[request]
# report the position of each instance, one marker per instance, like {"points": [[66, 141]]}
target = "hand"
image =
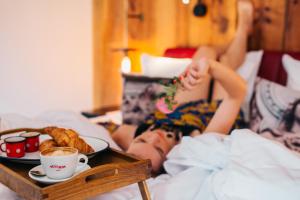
{"points": [[195, 73]]}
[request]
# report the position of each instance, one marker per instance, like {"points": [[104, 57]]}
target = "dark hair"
{"points": [[186, 130], [179, 130], [289, 116]]}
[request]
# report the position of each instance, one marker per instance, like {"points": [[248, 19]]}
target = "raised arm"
{"points": [[234, 85], [228, 110]]}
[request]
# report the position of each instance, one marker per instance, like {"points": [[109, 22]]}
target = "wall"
{"points": [[165, 24], [170, 23], [276, 25], [109, 25], [45, 55]]}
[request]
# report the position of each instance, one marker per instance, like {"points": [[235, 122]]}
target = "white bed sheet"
{"points": [[113, 116]]}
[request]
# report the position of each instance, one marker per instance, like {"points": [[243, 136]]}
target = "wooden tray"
{"points": [[111, 169]]}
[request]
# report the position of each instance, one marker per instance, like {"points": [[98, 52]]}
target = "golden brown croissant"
{"points": [[47, 144], [69, 138]]}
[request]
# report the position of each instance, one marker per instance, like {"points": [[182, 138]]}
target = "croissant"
{"points": [[47, 144], [68, 138]]}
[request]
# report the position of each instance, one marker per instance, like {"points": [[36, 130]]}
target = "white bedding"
{"points": [[242, 166], [113, 116]]}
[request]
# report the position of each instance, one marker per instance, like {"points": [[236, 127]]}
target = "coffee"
{"points": [[58, 153], [14, 139], [30, 134]]}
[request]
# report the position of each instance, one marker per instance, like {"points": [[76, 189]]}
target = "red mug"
{"points": [[15, 146], [32, 141]]}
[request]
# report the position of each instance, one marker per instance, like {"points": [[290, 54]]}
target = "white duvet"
{"points": [[242, 166]]}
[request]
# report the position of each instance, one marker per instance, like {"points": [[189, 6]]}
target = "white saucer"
{"points": [[46, 180]]}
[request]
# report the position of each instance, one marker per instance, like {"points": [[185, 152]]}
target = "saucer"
{"points": [[46, 180]]}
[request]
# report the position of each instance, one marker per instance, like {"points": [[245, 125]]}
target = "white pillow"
{"points": [[163, 67], [248, 70], [292, 67]]}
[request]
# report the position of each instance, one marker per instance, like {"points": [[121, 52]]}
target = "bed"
{"points": [[241, 166]]}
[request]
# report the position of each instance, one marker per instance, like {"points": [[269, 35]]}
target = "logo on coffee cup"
{"points": [[57, 166]]}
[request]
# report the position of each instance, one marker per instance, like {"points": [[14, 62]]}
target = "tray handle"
{"points": [[101, 172]]}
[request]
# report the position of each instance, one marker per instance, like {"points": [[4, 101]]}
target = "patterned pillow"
{"points": [[274, 113], [139, 93]]}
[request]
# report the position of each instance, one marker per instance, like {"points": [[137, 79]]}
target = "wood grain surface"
{"points": [[110, 170], [170, 23]]}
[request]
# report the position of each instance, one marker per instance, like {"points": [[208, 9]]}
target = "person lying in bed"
{"points": [[160, 132]]}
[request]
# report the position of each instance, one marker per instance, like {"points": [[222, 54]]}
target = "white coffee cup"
{"points": [[62, 162]]}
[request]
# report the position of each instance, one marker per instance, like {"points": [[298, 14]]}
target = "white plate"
{"points": [[46, 180], [34, 158]]}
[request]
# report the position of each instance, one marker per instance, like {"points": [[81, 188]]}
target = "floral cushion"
{"points": [[139, 94], [274, 113]]}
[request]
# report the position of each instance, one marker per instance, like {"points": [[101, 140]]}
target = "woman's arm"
{"points": [[234, 85], [124, 135], [228, 110]]}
